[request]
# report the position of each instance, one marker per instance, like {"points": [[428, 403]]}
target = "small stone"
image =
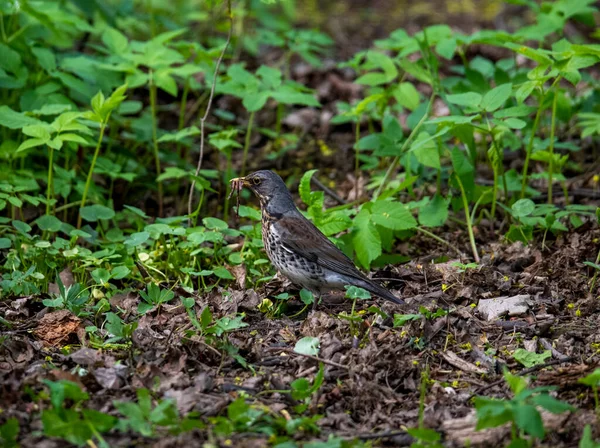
{"points": [[492, 309]]}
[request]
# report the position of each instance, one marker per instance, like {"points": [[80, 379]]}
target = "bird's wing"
{"points": [[302, 236]]}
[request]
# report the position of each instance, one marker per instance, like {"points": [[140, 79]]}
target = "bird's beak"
{"points": [[240, 181]]}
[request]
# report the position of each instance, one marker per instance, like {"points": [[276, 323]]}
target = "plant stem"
{"points": [[50, 189], [88, 180], [228, 169], [247, 142], [155, 142], [422, 395], [182, 107], [468, 218], [394, 163], [182, 150], [498, 170], [439, 239], [356, 164], [529, 148], [551, 148], [207, 111], [2, 30], [595, 273], [536, 123]]}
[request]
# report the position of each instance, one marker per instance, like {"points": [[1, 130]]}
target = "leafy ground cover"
{"points": [[459, 166]]}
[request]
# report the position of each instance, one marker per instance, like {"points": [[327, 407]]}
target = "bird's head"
{"points": [[265, 184]]}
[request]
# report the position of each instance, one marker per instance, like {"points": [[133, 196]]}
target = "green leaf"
{"points": [[172, 172], [525, 90], [307, 346], [425, 434], [551, 404], [114, 40], [223, 273], [381, 61], [593, 379], [180, 135], [401, 319], [469, 99], [45, 58], [10, 60], [247, 212], [425, 150], [31, 143], [9, 433], [435, 212], [15, 120], [304, 187], [366, 239], [516, 383], [289, 95], [496, 97], [21, 226], [165, 81], [120, 272], [136, 239], [96, 212], [407, 95], [206, 318], [530, 359], [255, 101], [492, 413], [528, 418], [517, 111], [354, 292], [392, 215], [5, 243], [49, 223], [306, 296], [522, 208], [515, 123], [214, 223], [334, 223], [586, 439]]}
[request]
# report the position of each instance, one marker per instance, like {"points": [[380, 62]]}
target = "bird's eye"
{"points": [[255, 180]]}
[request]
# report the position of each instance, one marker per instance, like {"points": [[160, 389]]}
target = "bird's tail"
{"points": [[380, 291]]}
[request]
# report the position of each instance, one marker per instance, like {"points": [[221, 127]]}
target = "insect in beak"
{"points": [[237, 185]]}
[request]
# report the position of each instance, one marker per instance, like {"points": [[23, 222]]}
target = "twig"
{"points": [[206, 112], [441, 240], [315, 358], [383, 435], [328, 191]]}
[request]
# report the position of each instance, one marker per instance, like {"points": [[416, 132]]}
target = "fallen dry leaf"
{"points": [[57, 327]]}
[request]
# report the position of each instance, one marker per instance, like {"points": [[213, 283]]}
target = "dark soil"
{"points": [[372, 382]]}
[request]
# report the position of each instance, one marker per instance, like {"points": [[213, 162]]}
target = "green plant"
{"points": [[593, 380], [425, 437], [9, 432], [596, 264], [147, 419], [521, 411], [72, 298], [154, 298], [255, 90], [586, 439], [68, 419]]}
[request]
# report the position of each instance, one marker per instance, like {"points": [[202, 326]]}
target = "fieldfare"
{"points": [[296, 247]]}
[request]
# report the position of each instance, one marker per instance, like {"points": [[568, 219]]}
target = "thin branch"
{"points": [[316, 358], [328, 191], [207, 111]]}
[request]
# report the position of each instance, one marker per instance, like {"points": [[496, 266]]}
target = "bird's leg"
{"points": [[317, 297]]}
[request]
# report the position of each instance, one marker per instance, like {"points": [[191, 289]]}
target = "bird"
{"points": [[296, 247]]}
